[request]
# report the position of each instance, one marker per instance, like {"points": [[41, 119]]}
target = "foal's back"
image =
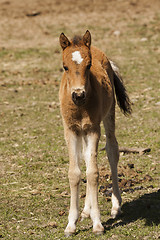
{"points": [[103, 74]]}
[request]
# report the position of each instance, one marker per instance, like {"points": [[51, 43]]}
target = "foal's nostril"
{"points": [[74, 96], [83, 95]]}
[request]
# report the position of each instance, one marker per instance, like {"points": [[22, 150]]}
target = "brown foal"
{"points": [[87, 97]]}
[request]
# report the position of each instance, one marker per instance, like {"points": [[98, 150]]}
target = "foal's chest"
{"points": [[80, 119]]}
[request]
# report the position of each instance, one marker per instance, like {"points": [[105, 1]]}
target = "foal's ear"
{"points": [[64, 42], [87, 39]]}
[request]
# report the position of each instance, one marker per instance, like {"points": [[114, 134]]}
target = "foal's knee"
{"points": [[92, 176], [74, 177]]}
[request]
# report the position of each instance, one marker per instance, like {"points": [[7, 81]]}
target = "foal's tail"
{"points": [[121, 92]]}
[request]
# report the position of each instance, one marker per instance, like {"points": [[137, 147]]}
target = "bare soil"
{"points": [[39, 23]]}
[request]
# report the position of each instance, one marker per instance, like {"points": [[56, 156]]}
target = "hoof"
{"points": [[69, 231], [116, 213], [98, 229], [84, 215]]}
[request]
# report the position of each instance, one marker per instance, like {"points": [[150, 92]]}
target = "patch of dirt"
{"points": [[39, 23], [130, 180]]}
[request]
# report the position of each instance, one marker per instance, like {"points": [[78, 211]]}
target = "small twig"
{"points": [[132, 150], [33, 14]]}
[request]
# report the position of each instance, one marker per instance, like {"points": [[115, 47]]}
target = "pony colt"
{"points": [[87, 97]]}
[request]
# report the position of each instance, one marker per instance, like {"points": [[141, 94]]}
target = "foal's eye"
{"points": [[89, 66], [65, 68]]}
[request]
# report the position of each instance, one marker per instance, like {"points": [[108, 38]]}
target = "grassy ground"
{"points": [[34, 197]]}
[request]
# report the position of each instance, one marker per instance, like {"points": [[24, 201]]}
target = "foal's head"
{"points": [[77, 64]]}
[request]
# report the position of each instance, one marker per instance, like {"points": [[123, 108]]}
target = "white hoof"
{"points": [[98, 229], [116, 212], [70, 230], [84, 215]]}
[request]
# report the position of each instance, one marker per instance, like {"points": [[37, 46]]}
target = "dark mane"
{"points": [[77, 40]]}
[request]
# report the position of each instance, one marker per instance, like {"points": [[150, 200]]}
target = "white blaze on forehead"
{"points": [[76, 57]]}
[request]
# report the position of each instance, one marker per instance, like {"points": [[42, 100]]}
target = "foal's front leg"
{"points": [[91, 202], [74, 174]]}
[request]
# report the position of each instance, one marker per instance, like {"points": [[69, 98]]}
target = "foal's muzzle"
{"points": [[79, 97]]}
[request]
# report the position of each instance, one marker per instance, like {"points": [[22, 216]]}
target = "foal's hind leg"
{"points": [[87, 207], [113, 157]]}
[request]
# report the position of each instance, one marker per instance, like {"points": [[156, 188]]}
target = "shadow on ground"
{"points": [[146, 207]]}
